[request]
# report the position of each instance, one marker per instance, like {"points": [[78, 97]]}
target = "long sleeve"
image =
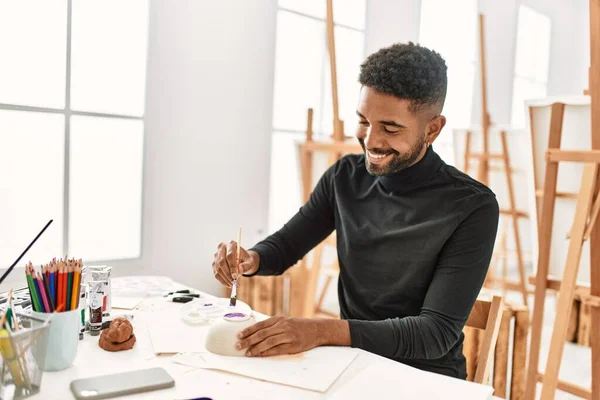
{"points": [[456, 283], [311, 225]]}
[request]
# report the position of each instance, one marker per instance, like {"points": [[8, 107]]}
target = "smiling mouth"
{"points": [[376, 158]]}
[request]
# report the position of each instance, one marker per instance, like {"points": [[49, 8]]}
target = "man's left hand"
{"points": [[280, 335]]}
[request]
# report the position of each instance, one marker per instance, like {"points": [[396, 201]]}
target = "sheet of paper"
{"points": [[399, 381], [316, 369], [170, 334], [142, 286], [126, 302]]}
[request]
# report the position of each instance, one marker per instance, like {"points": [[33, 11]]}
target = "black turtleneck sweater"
{"points": [[413, 247]]}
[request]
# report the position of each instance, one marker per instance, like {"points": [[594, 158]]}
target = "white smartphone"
{"points": [[120, 384]]}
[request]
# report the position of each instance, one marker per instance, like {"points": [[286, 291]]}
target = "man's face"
{"points": [[392, 136]]}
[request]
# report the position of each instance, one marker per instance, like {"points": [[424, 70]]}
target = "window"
{"points": [[303, 80], [532, 60], [441, 34], [72, 94]]}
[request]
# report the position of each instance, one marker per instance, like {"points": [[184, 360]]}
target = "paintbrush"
{"points": [[237, 269], [8, 271]]}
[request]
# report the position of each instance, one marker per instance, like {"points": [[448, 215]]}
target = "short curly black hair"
{"points": [[408, 71]]}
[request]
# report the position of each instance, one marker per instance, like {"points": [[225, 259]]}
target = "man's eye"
{"points": [[363, 123], [390, 131]]}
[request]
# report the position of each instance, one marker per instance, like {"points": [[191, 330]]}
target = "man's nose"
{"points": [[372, 139]]}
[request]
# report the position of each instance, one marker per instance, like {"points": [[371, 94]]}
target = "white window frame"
{"points": [[324, 67], [67, 112]]}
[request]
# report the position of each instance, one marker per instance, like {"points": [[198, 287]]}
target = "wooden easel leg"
{"points": [[467, 155], [594, 91], [514, 217], [483, 172], [519, 357], [500, 254], [545, 236], [328, 278], [501, 354], [312, 276], [504, 250], [306, 161], [567, 286]]}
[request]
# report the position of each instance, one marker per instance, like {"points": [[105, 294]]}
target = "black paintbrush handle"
{"points": [[9, 270]]}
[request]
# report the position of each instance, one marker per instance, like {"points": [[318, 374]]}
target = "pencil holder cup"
{"points": [[22, 353], [63, 339]]}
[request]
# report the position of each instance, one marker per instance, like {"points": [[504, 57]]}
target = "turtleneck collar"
{"points": [[414, 175]]}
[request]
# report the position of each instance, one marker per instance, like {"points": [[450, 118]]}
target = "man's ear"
{"points": [[434, 127]]}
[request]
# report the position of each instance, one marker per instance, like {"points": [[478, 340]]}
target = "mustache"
{"points": [[378, 152]]}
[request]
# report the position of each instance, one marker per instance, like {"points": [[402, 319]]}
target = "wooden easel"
{"points": [[310, 275], [483, 176], [304, 278], [583, 228]]}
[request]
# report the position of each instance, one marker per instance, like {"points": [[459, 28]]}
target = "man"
{"points": [[414, 235]]}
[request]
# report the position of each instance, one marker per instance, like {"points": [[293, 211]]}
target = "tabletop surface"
{"points": [[190, 383]]}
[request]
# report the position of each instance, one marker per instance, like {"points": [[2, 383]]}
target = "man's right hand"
{"points": [[225, 267]]}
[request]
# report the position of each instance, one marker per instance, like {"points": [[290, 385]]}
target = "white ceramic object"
{"points": [[222, 335]]}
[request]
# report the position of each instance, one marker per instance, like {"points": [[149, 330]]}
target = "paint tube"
{"points": [[95, 301], [101, 273]]}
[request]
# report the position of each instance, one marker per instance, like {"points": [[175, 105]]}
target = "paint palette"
{"points": [[201, 311]]}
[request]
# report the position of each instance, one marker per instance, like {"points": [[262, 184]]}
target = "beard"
{"points": [[398, 161]]}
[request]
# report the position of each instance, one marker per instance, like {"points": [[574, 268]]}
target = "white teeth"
{"points": [[375, 155]]}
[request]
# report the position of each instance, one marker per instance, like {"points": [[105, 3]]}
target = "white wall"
{"points": [[569, 51], [391, 21], [209, 106]]}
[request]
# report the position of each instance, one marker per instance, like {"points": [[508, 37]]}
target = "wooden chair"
{"points": [[486, 317]]}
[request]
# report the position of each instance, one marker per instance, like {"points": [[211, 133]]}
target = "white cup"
{"points": [[63, 339]]}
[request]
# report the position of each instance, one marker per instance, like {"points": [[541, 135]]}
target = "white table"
{"points": [[189, 382]]}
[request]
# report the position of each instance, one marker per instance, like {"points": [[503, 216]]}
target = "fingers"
{"points": [[220, 266], [259, 336], [232, 258], [252, 329], [246, 266], [286, 348], [220, 275], [269, 343]]}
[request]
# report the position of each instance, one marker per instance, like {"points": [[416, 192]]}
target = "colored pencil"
{"points": [[38, 293], [55, 272], [43, 292], [79, 279], [66, 299], [28, 278], [34, 296], [30, 294], [51, 285], [75, 290], [61, 283], [49, 295]]}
